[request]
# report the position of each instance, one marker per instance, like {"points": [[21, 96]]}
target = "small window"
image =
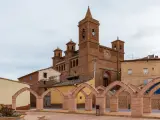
{"points": [[45, 75], [59, 54], [56, 68], [83, 33], [30, 77], [73, 63], [44, 82], [80, 97], [120, 47], [72, 47], [153, 68], [59, 68], [64, 67], [76, 62], [115, 47], [129, 71], [145, 70]]}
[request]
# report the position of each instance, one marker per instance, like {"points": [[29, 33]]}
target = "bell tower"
{"points": [[88, 29], [88, 42]]}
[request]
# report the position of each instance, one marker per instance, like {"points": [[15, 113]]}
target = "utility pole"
{"points": [[95, 60]]}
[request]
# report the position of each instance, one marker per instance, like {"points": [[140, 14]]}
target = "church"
{"points": [[91, 59], [93, 63]]}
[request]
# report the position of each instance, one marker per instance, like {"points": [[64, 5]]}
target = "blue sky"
{"points": [[31, 29]]}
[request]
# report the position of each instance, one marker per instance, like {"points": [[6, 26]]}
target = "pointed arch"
{"points": [[23, 90], [113, 84], [52, 89], [84, 93], [150, 84], [154, 90], [100, 88], [81, 87], [135, 87], [119, 91], [123, 89]]}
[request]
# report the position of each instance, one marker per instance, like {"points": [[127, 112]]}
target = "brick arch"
{"points": [[72, 90], [154, 90], [23, 90], [100, 88], [84, 93], [113, 84], [52, 89], [123, 89], [135, 87], [119, 91], [81, 87], [150, 84]]}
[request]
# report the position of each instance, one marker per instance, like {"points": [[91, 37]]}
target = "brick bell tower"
{"points": [[57, 56], [88, 43]]}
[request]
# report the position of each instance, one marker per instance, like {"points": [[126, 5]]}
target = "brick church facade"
{"points": [[91, 59]]}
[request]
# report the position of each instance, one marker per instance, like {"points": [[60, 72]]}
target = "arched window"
{"points": [[105, 79], [93, 32], [72, 47], [76, 62], [120, 47], [59, 54], [83, 33], [68, 47]]}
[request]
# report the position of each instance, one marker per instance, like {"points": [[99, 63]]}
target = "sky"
{"points": [[31, 29]]}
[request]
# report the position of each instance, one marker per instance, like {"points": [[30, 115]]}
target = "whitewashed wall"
{"points": [[8, 88], [50, 72]]}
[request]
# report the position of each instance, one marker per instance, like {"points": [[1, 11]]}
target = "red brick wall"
{"points": [[32, 81], [33, 86]]}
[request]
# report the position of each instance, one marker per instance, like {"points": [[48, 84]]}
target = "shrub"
{"points": [[8, 112]]}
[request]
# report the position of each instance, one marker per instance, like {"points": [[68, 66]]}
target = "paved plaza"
{"points": [[63, 116]]}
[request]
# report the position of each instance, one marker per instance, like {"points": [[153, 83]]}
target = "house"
{"points": [[42, 75]]}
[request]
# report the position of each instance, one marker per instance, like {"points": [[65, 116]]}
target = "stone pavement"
{"points": [[63, 116], [154, 115]]}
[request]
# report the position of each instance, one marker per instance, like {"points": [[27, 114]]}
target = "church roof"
{"points": [[71, 42], [58, 49], [117, 40]]}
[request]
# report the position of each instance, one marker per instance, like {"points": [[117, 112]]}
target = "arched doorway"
{"points": [[106, 78]]}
